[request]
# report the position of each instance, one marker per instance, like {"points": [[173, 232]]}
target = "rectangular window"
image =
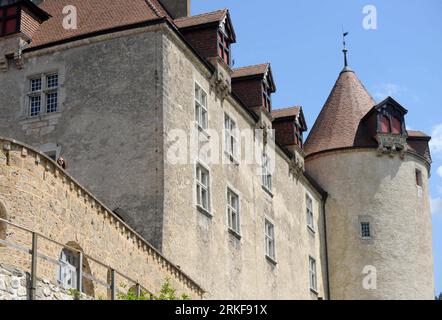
{"points": [[224, 47], [310, 216], [365, 230], [201, 114], [51, 102], [202, 188], [233, 211], [35, 105], [43, 94], [9, 22], [266, 172], [270, 239], [231, 139], [266, 97], [52, 81], [312, 274], [419, 182], [36, 85]]}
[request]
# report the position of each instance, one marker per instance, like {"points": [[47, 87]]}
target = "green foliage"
{"points": [[167, 292], [74, 293]]}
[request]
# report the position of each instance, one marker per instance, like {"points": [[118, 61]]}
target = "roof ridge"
{"points": [[202, 14], [154, 8], [254, 65]]}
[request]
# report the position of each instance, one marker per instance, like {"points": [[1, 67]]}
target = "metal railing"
{"points": [[35, 255]]}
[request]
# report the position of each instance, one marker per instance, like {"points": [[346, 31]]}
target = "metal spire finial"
{"points": [[344, 34]]}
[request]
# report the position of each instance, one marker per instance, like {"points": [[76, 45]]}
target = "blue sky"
{"points": [[401, 58]]}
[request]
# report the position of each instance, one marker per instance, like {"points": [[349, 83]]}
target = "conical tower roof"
{"points": [[338, 124]]}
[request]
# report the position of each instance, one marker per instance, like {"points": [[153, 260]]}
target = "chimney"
{"points": [[177, 8]]}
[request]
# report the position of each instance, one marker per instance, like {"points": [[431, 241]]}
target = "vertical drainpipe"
{"points": [[325, 245]]}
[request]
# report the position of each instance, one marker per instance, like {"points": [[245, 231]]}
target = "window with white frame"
{"points": [[365, 230], [233, 211], [231, 138], [43, 94], [312, 274], [67, 275], [270, 239], [201, 114], [266, 172], [203, 188], [310, 216]]}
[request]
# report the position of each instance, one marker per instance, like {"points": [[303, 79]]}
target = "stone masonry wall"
{"points": [[228, 266], [35, 193], [15, 285]]}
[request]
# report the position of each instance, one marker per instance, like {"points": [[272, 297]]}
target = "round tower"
{"points": [[376, 173]]}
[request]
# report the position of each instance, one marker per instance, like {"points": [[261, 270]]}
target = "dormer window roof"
{"points": [[389, 118], [254, 85], [211, 34]]}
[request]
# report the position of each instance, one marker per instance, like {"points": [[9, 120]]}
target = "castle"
{"points": [[120, 90]]}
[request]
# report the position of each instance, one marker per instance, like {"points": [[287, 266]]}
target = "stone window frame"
{"points": [[270, 239], [43, 91], [369, 220], [199, 186], [365, 230], [310, 213], [3, 225], [313, 276], [266, 175], [229, 209], [231, 135], [419, 181], [200, 104]]}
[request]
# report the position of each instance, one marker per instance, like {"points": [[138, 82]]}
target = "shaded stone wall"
{"points": [[38, 195]]}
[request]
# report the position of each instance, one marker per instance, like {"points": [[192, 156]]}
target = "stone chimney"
{"points": [[177, 8]]}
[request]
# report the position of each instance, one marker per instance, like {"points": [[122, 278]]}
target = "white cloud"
{"points": [[439, 171], [436, 141], [384, 90], [436, 206]]}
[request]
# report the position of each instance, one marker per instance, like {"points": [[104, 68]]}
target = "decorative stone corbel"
{"points": [[296, 167], [3, 64], [392, 144]]}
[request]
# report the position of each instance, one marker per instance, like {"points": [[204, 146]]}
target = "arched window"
{"points": [[2, 224], [385, 124], [397, 125], [67, 274]]}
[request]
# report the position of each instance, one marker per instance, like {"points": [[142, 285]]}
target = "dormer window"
{"points": [[266, 97], [9, 20], [385, 124], [299, 136], [390, 124], [396, 127], [224, 47]]}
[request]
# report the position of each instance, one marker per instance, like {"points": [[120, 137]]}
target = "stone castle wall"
{"points": [[386, 195], [36, 194], [228, 266]]}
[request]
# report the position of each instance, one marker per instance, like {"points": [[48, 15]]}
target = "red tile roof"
{"points": [[417, 134], [216, 16], [286, 112], [94, 16], [251, 70], [338, 124]]}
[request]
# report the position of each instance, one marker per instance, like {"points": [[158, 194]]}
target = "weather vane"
{"points": [[344, 34]]}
